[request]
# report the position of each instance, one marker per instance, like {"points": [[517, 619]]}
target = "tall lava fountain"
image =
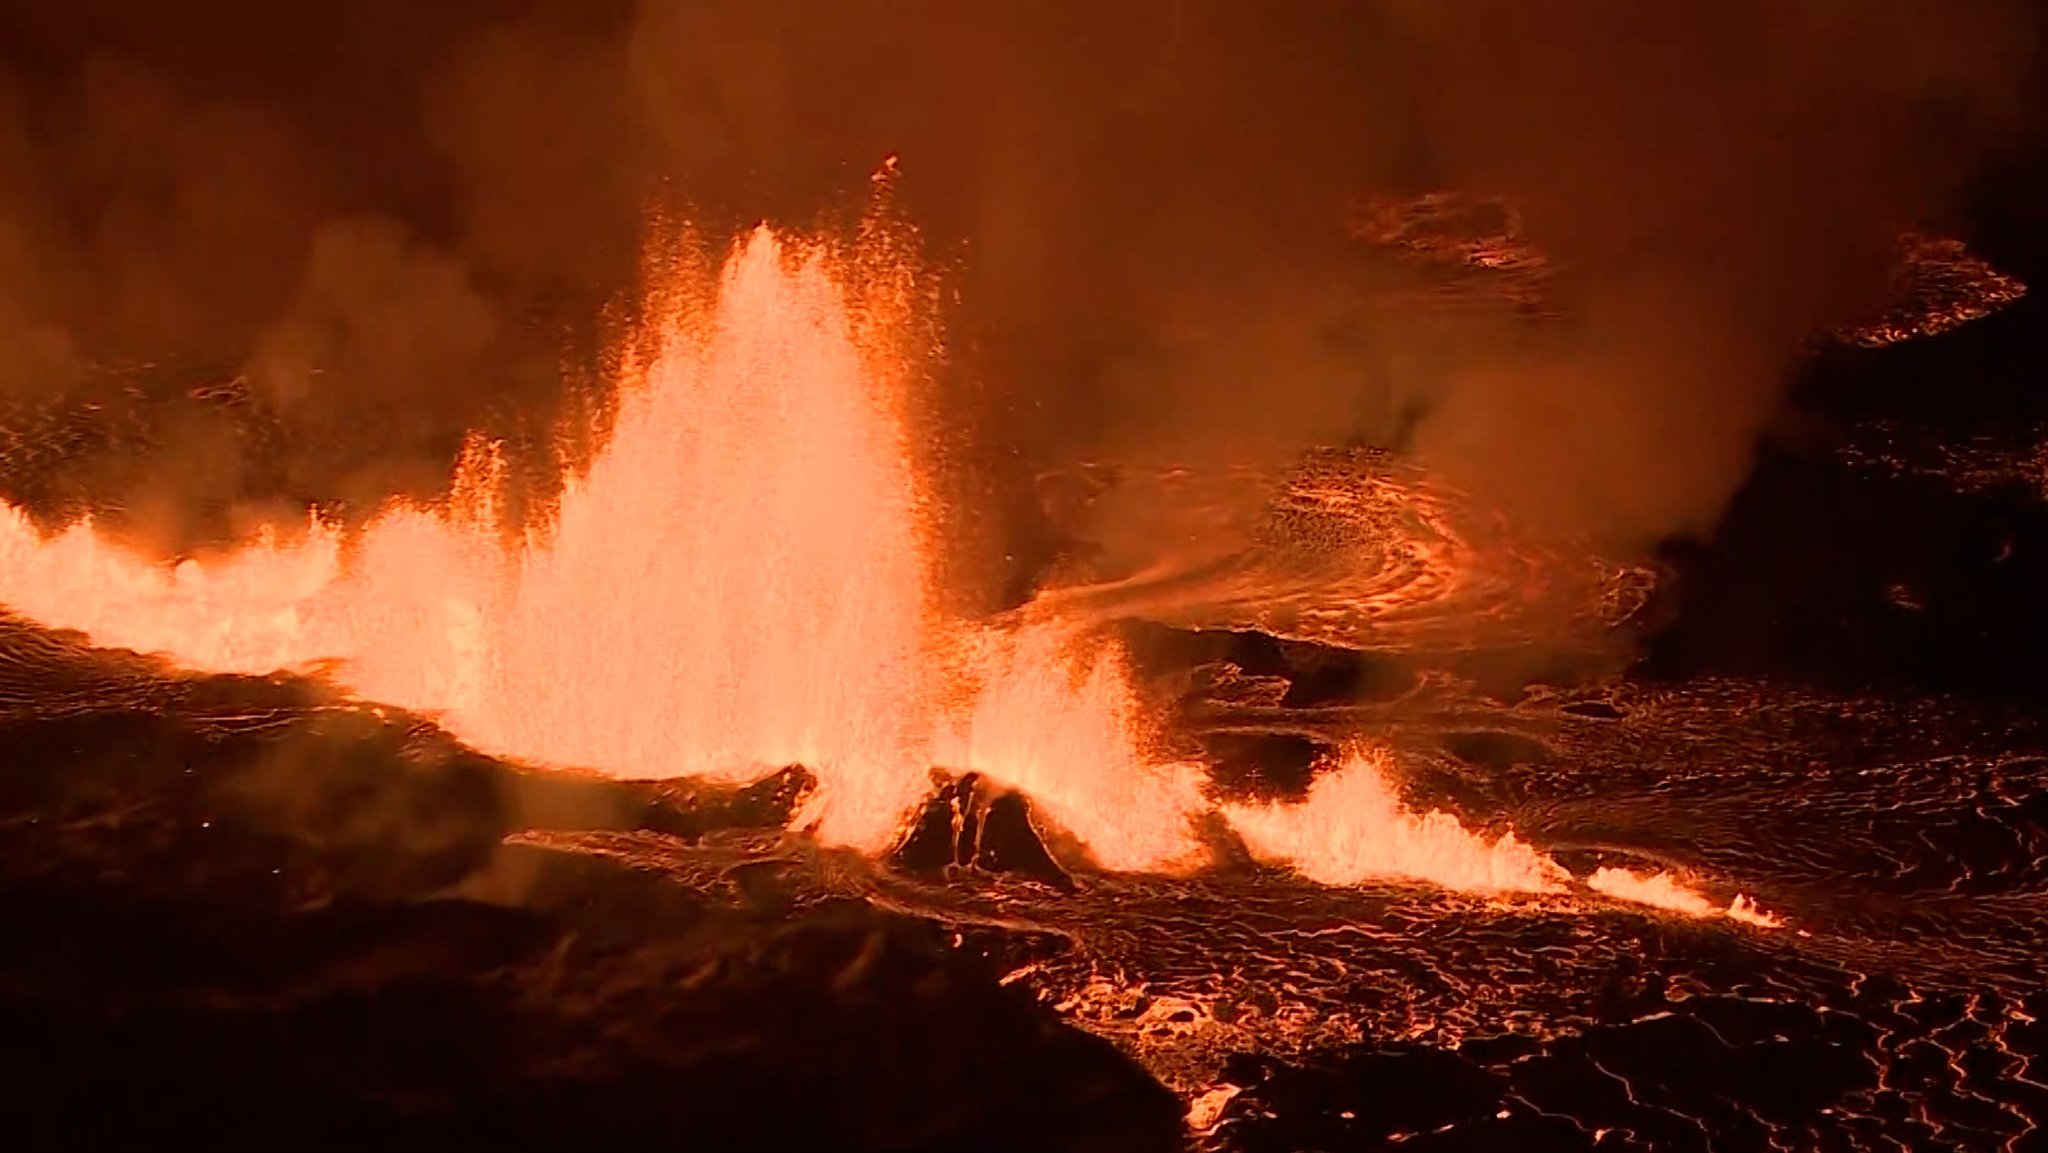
{"points": [[735, 583], [738, 581]]}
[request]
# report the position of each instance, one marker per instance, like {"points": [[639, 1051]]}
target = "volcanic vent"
{"points": [[737, 581]]}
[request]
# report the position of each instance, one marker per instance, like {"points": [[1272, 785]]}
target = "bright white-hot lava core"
{"points": [[736, 582], [1353, 828]]}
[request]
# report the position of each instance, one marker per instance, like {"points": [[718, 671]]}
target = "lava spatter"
{"points": [[1354, 828], [1663, 891], [1054, 717], [735, 583]]}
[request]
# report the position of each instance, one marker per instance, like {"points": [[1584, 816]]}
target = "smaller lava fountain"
{"points": [[1066, 732], [1353, 828]]}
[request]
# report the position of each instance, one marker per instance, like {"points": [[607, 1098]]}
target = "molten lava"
{"points": [[1354, 828], [737, 581], [1060, 725], [1664, 891]]}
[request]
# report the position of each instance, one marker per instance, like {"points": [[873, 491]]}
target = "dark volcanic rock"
{"points": [[1359, 1099], [231, 920], [970, 824], [402, 1026]]}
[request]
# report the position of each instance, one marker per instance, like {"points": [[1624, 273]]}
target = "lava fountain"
{"points": [[736, 582], [1052, 716], [1352, 827]]}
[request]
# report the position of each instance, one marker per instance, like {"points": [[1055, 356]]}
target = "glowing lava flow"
{"points": [[1353, 828], [1663, 891]]}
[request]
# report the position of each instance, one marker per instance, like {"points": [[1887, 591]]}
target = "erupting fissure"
{"points": [[737, 581]]}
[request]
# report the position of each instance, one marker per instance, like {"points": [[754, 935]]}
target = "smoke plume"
{"points": [[388, 220]]}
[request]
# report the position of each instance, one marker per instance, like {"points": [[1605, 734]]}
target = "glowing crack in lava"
{"points": [[737, 581]]}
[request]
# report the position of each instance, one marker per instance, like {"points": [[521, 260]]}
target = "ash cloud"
{"points": [[386, 217]]}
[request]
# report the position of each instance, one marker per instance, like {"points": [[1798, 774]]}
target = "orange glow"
{"points": [[1054, 718], [1664, 891], [1658, 890], [739, 580], [1354, 828], [1745, 910], [736, 583]]}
